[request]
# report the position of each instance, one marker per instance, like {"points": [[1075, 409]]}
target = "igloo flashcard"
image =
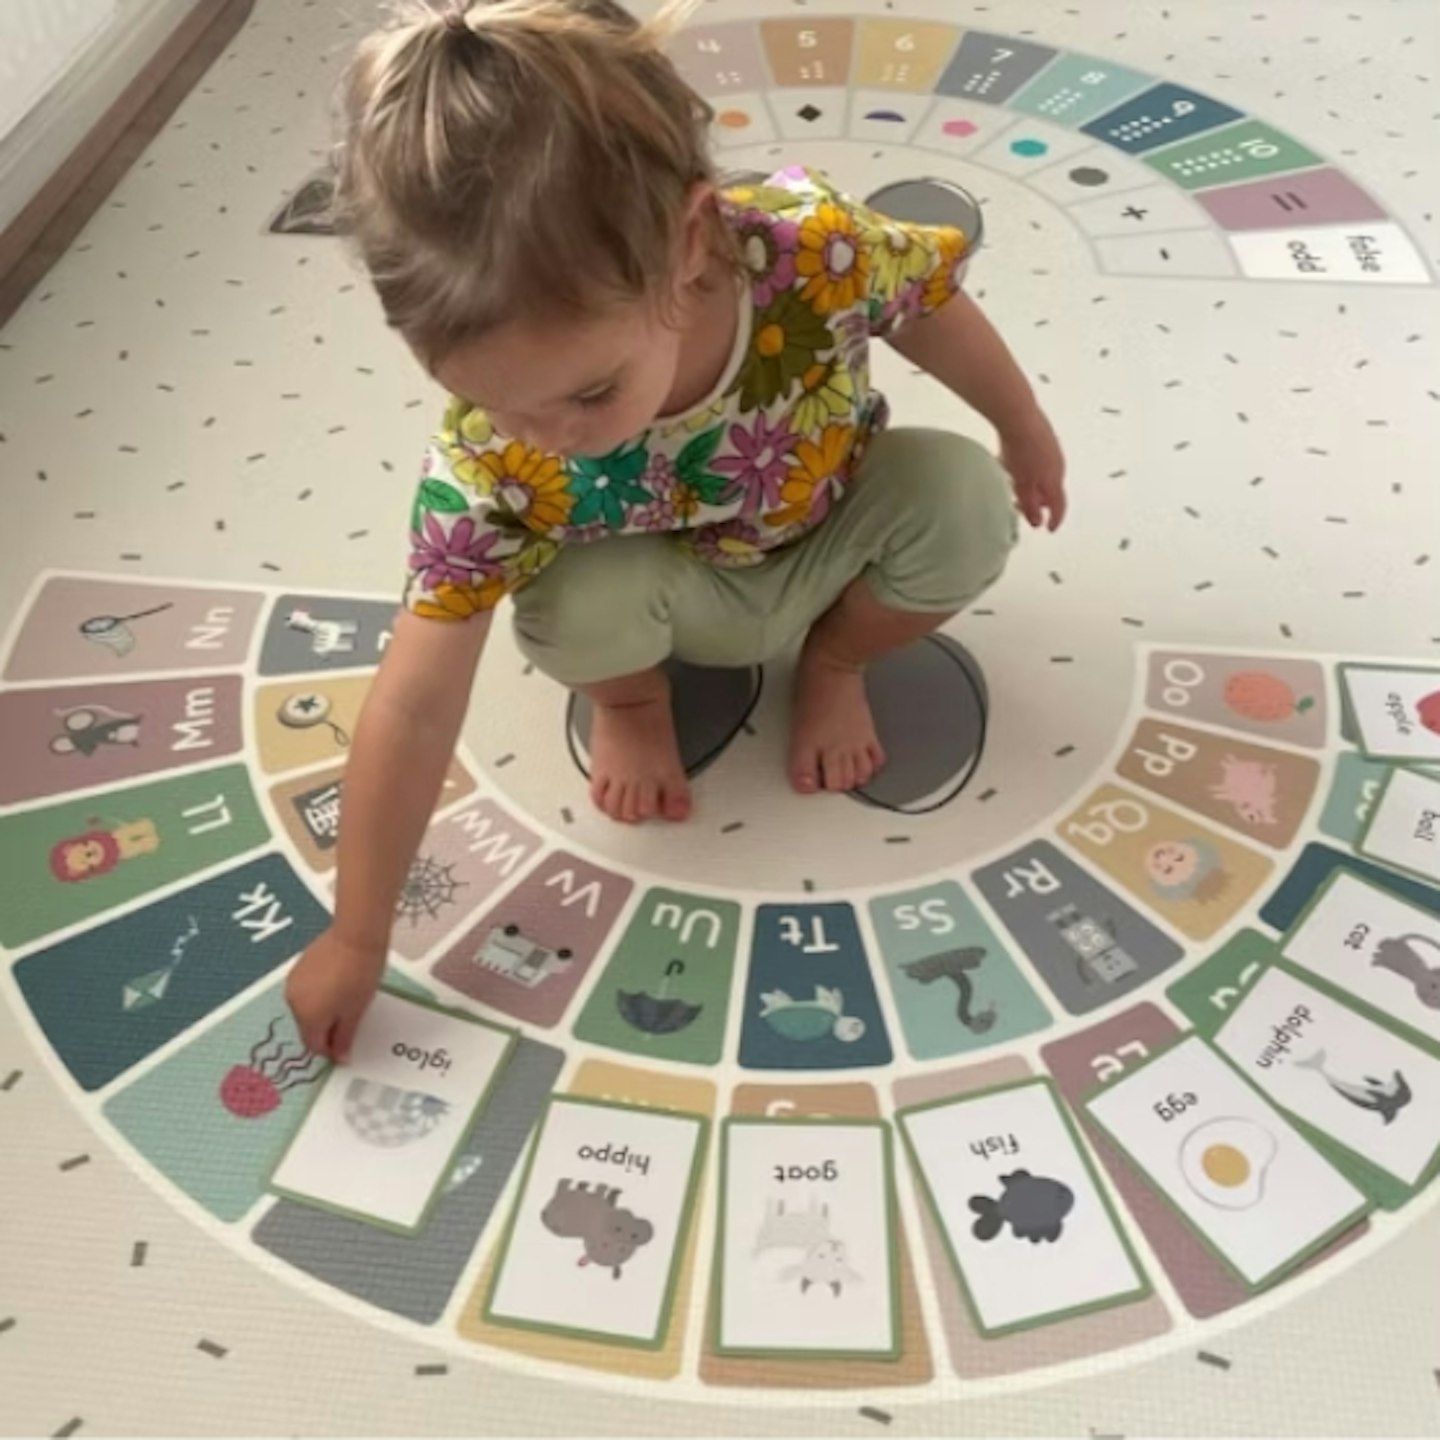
{"points": [[805, 1257], [593, 1246], [1395, 711], [1254, 1189], [381, 1138], [1030, 1231], [1353, 1080]]}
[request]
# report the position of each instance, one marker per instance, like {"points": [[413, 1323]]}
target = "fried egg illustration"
{"points": [[1224, 1161]]}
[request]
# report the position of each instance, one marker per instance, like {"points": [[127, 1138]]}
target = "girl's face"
{"points": [[584, 387], [571, 389]]}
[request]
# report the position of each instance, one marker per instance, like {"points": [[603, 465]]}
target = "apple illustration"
{"points": [[1429, 712]]}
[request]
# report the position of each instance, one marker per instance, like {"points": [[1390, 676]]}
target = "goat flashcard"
{"points": [[1214, 1147], [1352, 1080], [1395, 710], [380, 1141], [594, 1245], [1375, 946], [805, 1253], [1030, 1231]]}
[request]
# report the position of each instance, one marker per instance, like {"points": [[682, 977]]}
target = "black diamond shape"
{"points": [[808, 112]]}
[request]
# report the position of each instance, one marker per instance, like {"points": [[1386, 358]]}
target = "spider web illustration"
{"points": [[428, 888]]}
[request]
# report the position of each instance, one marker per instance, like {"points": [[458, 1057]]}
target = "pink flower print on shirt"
{"points": [[761, 462], [456, 557], [768, 244]]}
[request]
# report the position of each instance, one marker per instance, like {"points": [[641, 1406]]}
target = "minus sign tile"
{"points": [[211, 1348], [75, 1162], [138, 1253], [427, 1370], [1205, 1357], [11, 1080], [732, 827]]}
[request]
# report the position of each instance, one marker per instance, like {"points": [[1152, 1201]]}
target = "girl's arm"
{"points": [[963, 351], [403, 744]]}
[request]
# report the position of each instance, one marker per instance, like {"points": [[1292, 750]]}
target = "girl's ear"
{"points": [[695, 233]]}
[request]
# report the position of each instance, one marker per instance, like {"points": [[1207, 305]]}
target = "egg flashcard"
{"points": [[594, 1244], [1396, 712], [1029, 1229], [382, 1135], [805, 1253], [1404, 825], [1329, 1066], [1242, 1175], [1373, 945]]}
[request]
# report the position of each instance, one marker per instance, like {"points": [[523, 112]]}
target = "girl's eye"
{"points": [[596, 397]]}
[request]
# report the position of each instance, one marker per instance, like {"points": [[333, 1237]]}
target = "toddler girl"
{"points": [[662, 438]]}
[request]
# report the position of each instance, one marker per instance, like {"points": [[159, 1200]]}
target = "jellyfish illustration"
{"points": [[274, 1066]]}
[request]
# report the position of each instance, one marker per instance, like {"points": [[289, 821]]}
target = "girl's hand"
{"points": [[1032, 455], [329, 991]]}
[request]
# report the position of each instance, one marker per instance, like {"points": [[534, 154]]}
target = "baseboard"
{"points": [[59, 209]]}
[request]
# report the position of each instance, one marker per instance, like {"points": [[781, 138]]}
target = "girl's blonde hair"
{"points": [[507, 158]]}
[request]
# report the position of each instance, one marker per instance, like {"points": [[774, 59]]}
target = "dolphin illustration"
{"points": [[1386, 1098]]}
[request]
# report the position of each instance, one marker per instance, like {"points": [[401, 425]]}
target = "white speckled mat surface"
{"points": [[1240, 353]]}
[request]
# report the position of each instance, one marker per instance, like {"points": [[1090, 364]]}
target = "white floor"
{"points": [[1253, 466]]}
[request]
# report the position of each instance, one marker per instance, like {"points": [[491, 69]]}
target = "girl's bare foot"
{"points": [[833, 744], [635, 769]]}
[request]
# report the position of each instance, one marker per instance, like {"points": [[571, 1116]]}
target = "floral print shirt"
{"points": [[754, 466]]}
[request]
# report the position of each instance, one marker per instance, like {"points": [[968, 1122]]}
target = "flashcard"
{"points": [[1395, 711], [381, 1138], [1404, 825], [1375, 946], [1260, 792], [805, 1253], [1233, 1166], [1194, 877], [595, 1241], [1351, 1079], [1280, 699], [1030, 1232], [1353, 789], [1315, 864]]}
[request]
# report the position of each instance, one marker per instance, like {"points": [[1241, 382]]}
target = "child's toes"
{"points": [[675, 802], [647, 795]]}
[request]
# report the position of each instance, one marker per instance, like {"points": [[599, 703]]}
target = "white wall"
{"points": [[63, 63]]}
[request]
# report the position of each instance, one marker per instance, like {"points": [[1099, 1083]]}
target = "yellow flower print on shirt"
{"points": [[943, 282], [531, 485], [807, 485], [897, 256], [465, 433], [834, 258], [460, 602], [829, 394]]}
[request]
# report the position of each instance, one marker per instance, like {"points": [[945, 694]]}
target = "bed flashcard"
{"points": [[594, 1244], [1395, 711], [805, 1257], [1256, 1191], [1352, 1080], [1030, 1232], [1404, 825], [1374, 946], [380, 1140]]}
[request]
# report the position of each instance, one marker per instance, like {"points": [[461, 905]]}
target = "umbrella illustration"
{"points": [[659, 1014], [113, 631]]}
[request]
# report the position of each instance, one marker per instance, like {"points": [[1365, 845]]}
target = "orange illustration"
{"points": [[1258, 695]]}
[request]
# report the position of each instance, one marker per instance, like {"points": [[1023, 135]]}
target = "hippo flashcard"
{"points": [[805, 1257], [1330, 1067], [1395, 711], [594, 1244], [381, 1138], [1257, 1192], [1375, 946], [1030, 1232]]}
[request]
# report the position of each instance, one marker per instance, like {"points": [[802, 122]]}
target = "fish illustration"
{"points": [[1033, 1206], [1399, 956], [955, 965], [1387, 1098]]}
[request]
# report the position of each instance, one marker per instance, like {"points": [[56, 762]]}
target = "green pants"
{"points": [[928, 522]]}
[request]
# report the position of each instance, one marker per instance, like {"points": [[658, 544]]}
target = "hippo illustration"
{"points": [[611, 1235]]}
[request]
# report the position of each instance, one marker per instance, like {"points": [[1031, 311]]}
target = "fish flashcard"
{"points": [[1395, 711], [1030, 1231], [381, 1139], [805, 1258], [593, 1246], [1238, 1171], [1352, 1080]]}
